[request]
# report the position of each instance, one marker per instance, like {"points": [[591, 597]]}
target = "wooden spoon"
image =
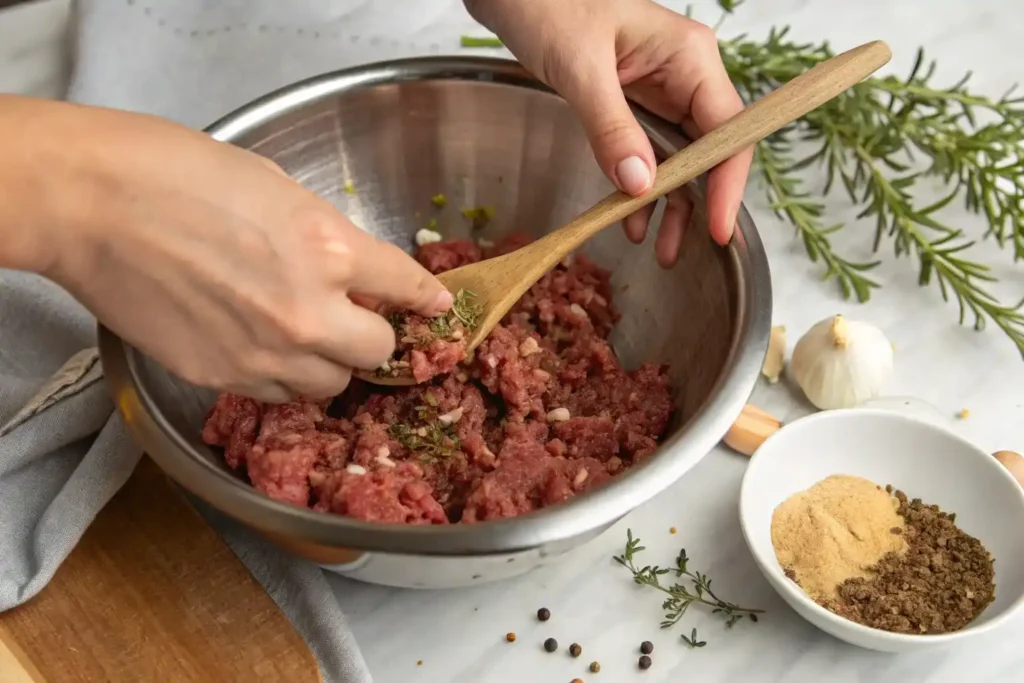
{"points": [[498, 283]]}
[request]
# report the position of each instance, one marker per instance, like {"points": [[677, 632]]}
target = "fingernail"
{"points": [[633, 175], [443, 301]]}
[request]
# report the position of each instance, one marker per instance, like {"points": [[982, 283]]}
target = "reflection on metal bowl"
{"points": [[483, 132]]}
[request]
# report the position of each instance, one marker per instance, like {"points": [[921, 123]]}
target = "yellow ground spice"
{"points": [[834, 531]]}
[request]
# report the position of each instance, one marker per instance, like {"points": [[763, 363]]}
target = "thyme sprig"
{"points": [[465, 310], [877, 141], [430, 439], [681, 597]]}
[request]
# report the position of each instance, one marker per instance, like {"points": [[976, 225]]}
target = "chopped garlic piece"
{"points": [[358, 470], [528, 347], [425, 236], [558, 415], [451, 417]]}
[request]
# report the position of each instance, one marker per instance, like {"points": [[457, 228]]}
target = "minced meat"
{"points": [[428, 347], [540, 412]]}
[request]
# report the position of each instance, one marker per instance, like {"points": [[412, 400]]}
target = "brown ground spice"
{"points": [[941, 583]]}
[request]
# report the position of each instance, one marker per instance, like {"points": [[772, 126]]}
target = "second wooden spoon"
{"points": [[500, 282]]}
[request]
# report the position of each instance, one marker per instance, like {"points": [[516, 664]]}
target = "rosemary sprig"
{"points": [[680, 597], [878, 140]]}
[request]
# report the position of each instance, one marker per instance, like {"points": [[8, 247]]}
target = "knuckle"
{"points": [[420, 286], [343, 259], [613, 130], [305, 329], [323, 236], [271, 165], [557, 65], [703, 37], [257, 365]]}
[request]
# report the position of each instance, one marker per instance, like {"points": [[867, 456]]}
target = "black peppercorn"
{"points": [[550, 644], [645, 662], [595, 667], [543, 614], [575, 650], [646, 647]]}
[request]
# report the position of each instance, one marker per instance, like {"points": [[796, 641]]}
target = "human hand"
{"points": [[210, 260], [596, 53]]}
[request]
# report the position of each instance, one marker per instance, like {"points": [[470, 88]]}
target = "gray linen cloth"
{"points": [[63, 449]]}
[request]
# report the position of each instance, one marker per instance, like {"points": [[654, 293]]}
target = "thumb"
{"points": [[620, 145]]}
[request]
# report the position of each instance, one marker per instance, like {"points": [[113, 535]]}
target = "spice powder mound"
{"points": [[942, 583], [834, 531]]}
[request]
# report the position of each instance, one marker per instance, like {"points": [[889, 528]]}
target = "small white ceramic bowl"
{"points": [[915, 455]]}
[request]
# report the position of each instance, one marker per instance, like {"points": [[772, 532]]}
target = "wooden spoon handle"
{"points": [[756, 122]]}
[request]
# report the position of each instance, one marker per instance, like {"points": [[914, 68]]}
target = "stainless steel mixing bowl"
{"points": [[483, 132]]}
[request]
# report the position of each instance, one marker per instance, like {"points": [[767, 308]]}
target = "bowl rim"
{"points": [[790, 592], [577, 517]]}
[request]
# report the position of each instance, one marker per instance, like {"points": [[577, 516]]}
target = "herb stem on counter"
{"points": [[681, 597]]}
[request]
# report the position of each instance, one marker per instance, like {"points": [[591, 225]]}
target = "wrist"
{"points": [[47, 196]]}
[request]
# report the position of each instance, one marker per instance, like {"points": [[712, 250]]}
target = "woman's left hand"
{"points": [[596, 53]]}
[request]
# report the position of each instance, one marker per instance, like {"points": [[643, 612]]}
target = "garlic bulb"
{"points": [[841, 363]]}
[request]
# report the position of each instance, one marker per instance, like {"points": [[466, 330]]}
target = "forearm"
{"points": [[42, 193]]}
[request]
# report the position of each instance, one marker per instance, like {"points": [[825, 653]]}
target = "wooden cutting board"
{"points": [[152, 593]]}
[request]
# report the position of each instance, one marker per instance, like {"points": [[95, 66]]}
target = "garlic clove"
{"points": [[841, 363], [775, 359], [750, 430]]}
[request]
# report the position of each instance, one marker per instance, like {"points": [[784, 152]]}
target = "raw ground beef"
{"points": [[540, 412], [428, 347]]}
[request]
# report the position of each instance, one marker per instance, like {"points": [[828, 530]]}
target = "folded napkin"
{"points": [[63, 449]]}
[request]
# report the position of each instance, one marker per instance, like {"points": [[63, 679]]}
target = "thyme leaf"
{"points": [[431, 440], [680, 596], [479, 216], [465, 309]]}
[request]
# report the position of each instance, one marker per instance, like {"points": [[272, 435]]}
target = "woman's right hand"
{"points": [[206, 257]]}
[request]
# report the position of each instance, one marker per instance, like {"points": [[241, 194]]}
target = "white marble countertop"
{"points": [[459, 635]]}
